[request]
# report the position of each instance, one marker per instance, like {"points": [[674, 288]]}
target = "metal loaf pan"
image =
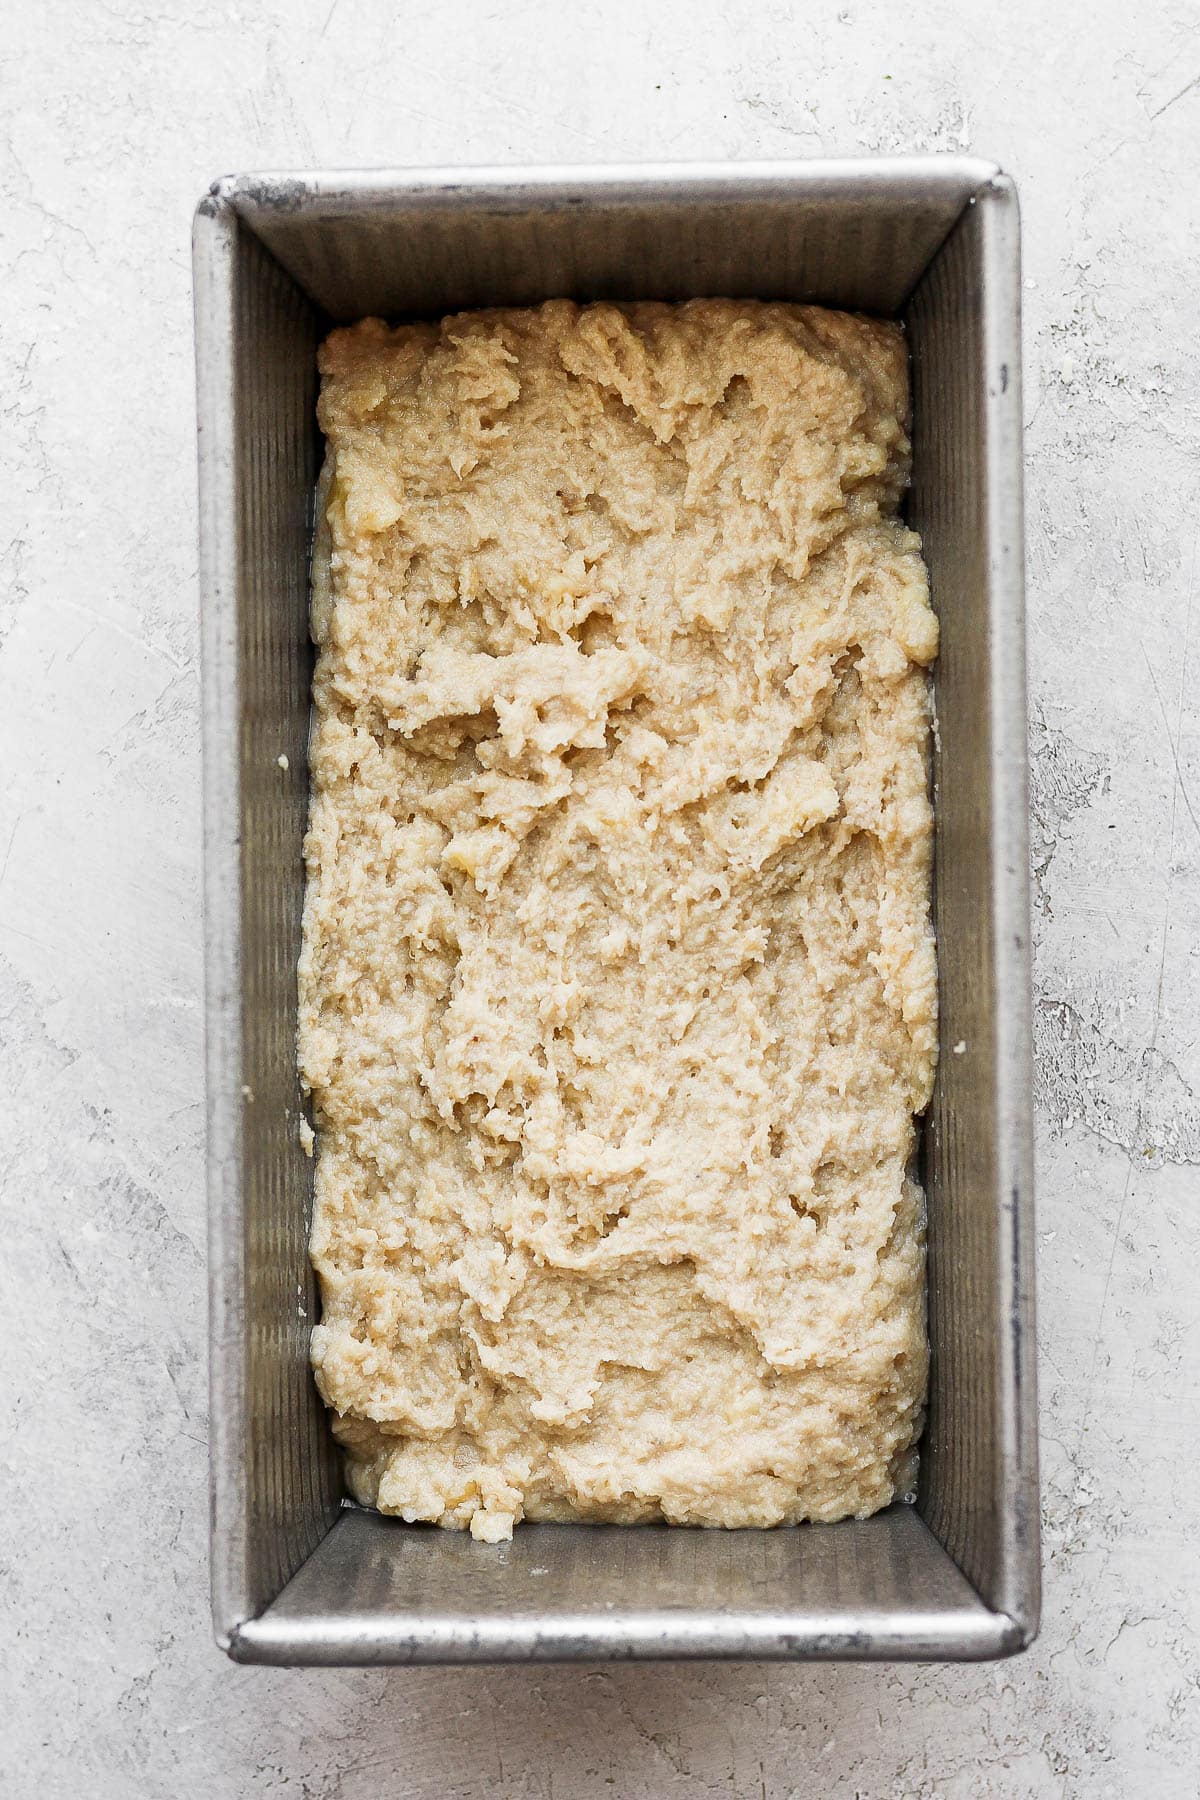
{"points": [[298, 1575]]}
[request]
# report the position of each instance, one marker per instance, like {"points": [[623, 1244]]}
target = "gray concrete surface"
{"points": [[114, 117]]}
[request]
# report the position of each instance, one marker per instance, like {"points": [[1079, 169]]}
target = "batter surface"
{"points": [[618, 988]]}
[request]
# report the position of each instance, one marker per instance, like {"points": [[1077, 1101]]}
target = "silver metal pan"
{"points": [[299, 1576]]}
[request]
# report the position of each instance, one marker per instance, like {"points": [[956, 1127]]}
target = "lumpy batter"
{"points": [[618, 989]]}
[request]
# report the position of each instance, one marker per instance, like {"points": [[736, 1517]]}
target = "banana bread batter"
{"points": [[618, 988]]}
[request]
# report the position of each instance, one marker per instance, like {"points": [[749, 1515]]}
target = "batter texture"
{"points": [[618, 989]]}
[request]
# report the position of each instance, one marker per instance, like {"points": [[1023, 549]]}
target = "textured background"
{"points": [[115, 116]]}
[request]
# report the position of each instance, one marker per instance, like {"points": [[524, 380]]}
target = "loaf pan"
{"points": [[299, 1575]]}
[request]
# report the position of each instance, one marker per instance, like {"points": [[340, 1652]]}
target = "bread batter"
{"points": [[618, 989]]}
